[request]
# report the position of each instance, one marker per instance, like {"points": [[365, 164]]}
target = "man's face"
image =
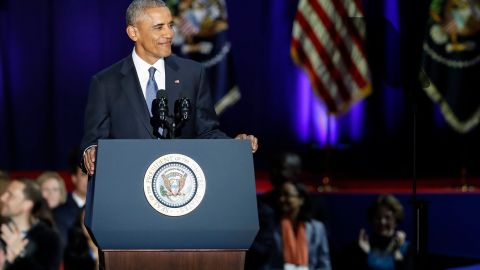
{"points": [[13, 200], [153, 34]]}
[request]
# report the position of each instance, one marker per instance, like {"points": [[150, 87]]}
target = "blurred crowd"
{"points": [[292, 235], [42, 226]]}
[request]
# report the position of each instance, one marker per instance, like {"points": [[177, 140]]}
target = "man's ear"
{"points": [[132, 32], [27, 205], [74, 178]]}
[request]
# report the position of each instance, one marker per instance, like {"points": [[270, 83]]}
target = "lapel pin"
{"points": [[177, 81]]}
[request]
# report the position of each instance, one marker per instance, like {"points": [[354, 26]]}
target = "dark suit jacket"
{"points": [[43, 251], [65, 216], [116, 107]]}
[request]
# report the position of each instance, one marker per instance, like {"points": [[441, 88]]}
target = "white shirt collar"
{"points": [[78, 200], [142, 71]]}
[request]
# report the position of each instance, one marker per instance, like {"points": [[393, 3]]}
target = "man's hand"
{"points": [[89, 160], [14, 241], [251, 138]]}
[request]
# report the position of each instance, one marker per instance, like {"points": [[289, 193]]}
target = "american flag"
{"points": [[327, 42]]}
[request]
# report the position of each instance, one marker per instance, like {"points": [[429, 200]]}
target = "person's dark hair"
{"points": [[40, 208], [4, 181], [285, 167], [137, 8], [390, 202], [74, 159], [4, 175], [305, 212]]}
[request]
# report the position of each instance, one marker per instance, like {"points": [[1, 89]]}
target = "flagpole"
{"points": [[416, 80], [464, 186], [420, 206], [326, 179]]}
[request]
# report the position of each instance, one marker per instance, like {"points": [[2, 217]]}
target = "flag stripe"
{"points": [[350, 37], [327, 43], [352, 32], [360, 65], [326, 59], [338, 36], [322, 72], [319, 29], [317, 84]]}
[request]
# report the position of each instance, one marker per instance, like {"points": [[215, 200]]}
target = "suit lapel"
{"points": [[172, 81], [131, 87]]}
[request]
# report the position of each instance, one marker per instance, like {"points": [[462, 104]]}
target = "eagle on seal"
{"points": [[174, 185]]}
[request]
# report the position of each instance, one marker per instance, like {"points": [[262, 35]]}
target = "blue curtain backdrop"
{"points": [[50, 49]]}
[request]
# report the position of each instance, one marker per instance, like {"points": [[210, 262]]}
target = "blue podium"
{"points": [[172, 204]]}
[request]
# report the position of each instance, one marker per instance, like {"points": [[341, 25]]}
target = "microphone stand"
{"points": [[171, 123]]}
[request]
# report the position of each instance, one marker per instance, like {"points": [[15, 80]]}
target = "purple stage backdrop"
{"points": [[50, 49]]}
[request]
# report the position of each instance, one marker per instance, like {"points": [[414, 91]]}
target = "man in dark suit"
{"points": [[118, 102], [68, 213]]}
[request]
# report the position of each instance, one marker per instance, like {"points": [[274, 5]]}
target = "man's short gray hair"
{"points": [[137, 8]]}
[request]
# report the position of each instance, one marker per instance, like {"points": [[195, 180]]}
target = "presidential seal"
{"points": [[174, 185]]}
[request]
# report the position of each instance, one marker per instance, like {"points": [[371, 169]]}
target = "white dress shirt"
{"points": [[143, 75]]}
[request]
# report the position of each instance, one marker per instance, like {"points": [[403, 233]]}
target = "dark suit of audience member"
{"points": [[260, 252], [65, 216], [80, 252], [43, 250]]}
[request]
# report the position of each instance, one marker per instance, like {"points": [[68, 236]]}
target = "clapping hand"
{"points": [[394, 246], [363, 241], [14, 240]]}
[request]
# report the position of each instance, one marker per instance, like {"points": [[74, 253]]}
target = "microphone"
{"points": [[159, 113], [185, 108], [182, 109], [162, 105]]}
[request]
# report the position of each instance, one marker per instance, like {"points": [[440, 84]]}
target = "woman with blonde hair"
{"points": [[53, 188]]}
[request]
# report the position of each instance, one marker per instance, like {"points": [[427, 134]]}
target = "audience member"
{"points": [[67, 213], [53, 188], [29, 238], [260, 251], [300, 241], [387, 247], [81, 253], [285, 167]]}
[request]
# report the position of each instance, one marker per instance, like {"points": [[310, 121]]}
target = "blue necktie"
{"points": [[152, 88]]}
